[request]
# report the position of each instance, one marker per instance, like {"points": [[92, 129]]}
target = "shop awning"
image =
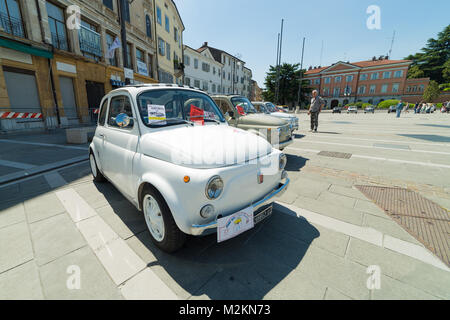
{"points": [[14, 45]]}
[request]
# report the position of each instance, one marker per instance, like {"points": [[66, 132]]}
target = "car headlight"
{"points": [[207, 211], [214, 188], [283, 161]]}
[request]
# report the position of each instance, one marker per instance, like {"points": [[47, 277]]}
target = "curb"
{"points": [[40, 169]]}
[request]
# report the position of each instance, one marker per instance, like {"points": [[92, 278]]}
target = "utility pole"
{"points": [[301, 75], [279, 64], [123, 33], [392, 45]]}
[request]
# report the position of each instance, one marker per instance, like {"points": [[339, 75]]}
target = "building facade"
{"points": [[58, 52], [256, 94], [247, 83], [370, 81], [233, 73], [169, 29], [202, 70]]}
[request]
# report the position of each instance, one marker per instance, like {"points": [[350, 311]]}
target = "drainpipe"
{"points": [[49, 62], [156, 42]]}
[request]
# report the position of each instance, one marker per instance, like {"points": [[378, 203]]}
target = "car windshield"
{"points": [[271, 107], [166, 107], [262, 108], [243, 105]]}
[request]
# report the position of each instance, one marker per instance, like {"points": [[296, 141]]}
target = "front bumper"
{"points": [[284, 144], [259, 207]]}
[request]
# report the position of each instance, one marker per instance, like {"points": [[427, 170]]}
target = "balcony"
{"points": [[11, 25], [90, 42]]}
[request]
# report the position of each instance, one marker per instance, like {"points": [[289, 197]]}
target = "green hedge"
{"points": [[387, 103]]}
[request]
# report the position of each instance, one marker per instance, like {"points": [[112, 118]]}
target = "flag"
{"points": [[197, 115], [111, 50]]}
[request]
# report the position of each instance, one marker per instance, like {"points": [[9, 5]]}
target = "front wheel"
{"points": [[164, 231]]}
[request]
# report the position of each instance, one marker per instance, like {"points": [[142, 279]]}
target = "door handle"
{"points": [[102, 135]]}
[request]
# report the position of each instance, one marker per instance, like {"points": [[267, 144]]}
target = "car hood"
{"points": [[263, 120], [282, 115], [204, 147]]}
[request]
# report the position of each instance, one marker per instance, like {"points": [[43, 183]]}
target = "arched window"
{"points": [[149, 26]]}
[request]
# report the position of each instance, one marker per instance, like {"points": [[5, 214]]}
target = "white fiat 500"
{"points": [[169, 150]]}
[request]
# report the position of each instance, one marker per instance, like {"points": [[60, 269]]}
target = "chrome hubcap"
{"points": [[93, 166], [153, 218]]}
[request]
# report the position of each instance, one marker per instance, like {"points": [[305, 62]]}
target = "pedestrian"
{"points": [[317, 103], [415, 107], [399, 108]]}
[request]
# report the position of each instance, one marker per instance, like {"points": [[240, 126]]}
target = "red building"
{"points": [[370, 81]]}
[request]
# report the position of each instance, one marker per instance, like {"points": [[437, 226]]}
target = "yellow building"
{"points": [[64, 70], [169, 31]]}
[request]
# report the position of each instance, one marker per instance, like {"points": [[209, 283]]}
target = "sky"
{"points": [[250, 28]]}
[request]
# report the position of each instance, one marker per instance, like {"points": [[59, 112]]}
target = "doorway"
{"points": [[95, 93]]}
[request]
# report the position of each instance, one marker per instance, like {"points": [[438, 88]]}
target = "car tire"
{"points": [[96, 174], [172, 238]]}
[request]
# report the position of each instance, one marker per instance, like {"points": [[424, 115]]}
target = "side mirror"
{"points": [[123, 120], [231, 114]]}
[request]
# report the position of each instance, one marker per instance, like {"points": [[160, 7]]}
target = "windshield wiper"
{"points": [[173, 119], [213, 120]]}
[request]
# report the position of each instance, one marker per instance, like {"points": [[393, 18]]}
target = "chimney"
{"points": [[205, 44]]}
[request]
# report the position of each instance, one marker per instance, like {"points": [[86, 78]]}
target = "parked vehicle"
{"points": [[154, 144], [392, 109], [239, 112], [270, 109], [352, 109], [337, 110], [369, 109]]}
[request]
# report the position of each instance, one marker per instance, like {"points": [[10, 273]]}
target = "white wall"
{"points": [[198, 74]]}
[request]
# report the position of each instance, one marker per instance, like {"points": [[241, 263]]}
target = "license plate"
{"points": [[263, 215], [232, 226]]}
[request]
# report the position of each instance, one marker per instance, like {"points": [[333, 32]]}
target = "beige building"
{"points": [[64, 66], [169, 30]]}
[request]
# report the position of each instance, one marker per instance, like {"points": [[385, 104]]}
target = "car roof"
{"points": [[137, 88]]}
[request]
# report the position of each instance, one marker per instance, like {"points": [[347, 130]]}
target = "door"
{"points": [[99, 136], [95, 92], [120, 144], [68, 98], [19, 82]]}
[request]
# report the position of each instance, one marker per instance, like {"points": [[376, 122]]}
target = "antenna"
{"points": [[392, 45], [321, 54]]}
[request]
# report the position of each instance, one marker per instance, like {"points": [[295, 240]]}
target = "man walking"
{"points": [[399, 108], [317, 104]]}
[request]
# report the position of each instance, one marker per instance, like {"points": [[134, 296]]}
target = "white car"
{"points": [[269, 108], [170, 152], [352, 109]]}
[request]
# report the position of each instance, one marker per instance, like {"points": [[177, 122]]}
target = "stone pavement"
{"points": [[321, 242]]}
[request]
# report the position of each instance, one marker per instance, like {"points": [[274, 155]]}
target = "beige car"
{"points": [[239, 112]]}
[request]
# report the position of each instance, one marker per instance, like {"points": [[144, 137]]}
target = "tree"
{"points": [[433, 58], [432, 92], [446, 71], [290, 76]]}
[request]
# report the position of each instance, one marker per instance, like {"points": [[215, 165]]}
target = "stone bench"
{"points": [[79, 135]]}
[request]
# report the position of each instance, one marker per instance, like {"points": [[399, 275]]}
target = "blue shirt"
{"points": [[400, 106]]}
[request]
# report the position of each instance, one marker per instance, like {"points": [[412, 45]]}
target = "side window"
{"points": [[102, 116], [118, 105]]}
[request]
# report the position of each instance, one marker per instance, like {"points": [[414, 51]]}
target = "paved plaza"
{"points": [[325, 240]]}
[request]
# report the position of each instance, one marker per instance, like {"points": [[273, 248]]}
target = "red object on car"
{"points": [[197, 115], [240, 110]]}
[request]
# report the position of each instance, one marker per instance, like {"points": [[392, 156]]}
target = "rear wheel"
{"points": [[98, 176], [164, 231]]}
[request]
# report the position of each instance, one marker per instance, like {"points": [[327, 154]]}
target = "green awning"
{"points": [[25, 48]]}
